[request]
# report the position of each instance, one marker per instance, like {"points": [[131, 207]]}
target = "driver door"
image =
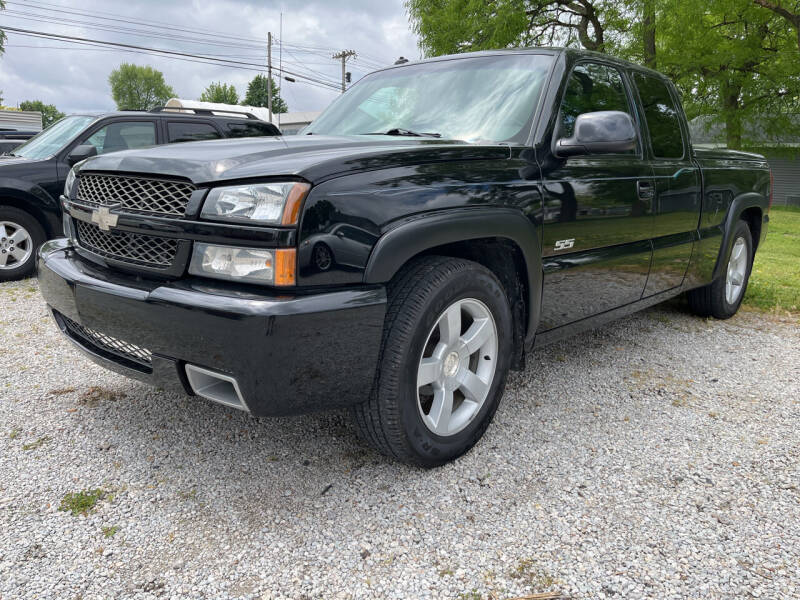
{"points": [[597, 210]]}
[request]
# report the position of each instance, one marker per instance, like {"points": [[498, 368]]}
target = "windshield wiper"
{"points": [[407, 132]]}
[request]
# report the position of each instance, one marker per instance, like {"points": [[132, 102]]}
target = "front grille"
{"points": [[106, 343], [135, 248], [155, 196]]}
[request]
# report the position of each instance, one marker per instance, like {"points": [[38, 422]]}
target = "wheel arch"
{"points": [[750, 208], [503, 240], [33, 206]]}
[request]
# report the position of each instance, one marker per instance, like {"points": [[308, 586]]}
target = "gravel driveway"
{"points": [[657, 457]]}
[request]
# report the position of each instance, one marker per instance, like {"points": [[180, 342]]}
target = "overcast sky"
{"points": [[75, 78]]}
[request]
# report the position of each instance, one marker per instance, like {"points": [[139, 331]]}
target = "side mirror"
{"points": [[603, 132], [80, 153]]}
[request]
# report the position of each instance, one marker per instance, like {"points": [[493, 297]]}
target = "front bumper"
{"points": [[289, 354]]}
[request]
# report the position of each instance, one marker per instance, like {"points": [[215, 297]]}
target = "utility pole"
{"points": [[269, 74], [344, 55]]}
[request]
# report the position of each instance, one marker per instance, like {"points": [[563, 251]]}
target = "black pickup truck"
{"points": [[435, 224], [32, 175]]}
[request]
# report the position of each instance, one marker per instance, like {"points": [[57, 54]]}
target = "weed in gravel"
{"points": [[109, 531], [530, 574], [37, 444], [14, 433], [61, 391], [80, 503], [190, 495], [473, 595], [96, 394]]}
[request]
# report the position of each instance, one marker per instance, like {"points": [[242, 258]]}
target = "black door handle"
{"points": [[645, 190]]}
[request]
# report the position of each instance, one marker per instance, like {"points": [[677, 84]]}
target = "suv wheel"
{"points": [[723, 297], [20, 238], [443, 365]]}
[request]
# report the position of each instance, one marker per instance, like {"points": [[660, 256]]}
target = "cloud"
{"points": [[75, 78]]}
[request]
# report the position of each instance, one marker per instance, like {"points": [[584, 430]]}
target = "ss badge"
{"points": [[564, 244]]}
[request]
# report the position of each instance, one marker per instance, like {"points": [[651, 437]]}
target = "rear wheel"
{"points": [[443, 365], [723, 297], [20, 238]]}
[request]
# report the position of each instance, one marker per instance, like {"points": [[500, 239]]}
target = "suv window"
{"points": [[238, 129], [123, 136], [591, 88], [661, 115], [191, 132]]}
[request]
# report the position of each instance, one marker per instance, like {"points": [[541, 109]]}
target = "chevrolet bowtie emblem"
{"points": [[104, 219]]}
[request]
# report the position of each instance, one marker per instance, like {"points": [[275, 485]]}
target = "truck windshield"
{"points": [[54, 138], [487, 98]]}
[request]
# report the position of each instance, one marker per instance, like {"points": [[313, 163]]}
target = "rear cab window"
{"points": [[662, 116], [186, 131]]}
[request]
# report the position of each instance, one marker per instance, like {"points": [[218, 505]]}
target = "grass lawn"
{"points": [[775, 281]]}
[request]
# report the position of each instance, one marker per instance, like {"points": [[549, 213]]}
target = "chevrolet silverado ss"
{"points": [[437, 222]]}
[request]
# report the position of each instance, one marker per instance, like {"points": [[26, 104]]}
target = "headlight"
{"points": [[252, 265], [269, 203], [69, 184]]}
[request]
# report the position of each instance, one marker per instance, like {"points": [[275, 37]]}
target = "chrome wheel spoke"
{"points": [[450, 325], [430, 370], [3, 232], [441, 411], [3, 258], [18, 237], [19, 254], [473, 387], [477, 335]]}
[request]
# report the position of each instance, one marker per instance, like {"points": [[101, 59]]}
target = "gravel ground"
{"points": [[653, 458]]}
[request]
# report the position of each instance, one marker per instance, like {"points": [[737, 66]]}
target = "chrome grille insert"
{"points": [[107, 343], [135, 248], [155, 196]]}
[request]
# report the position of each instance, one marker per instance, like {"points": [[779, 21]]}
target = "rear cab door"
{"points": [[676, 203], [597, 219]]}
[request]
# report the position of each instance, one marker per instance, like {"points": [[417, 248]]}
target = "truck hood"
{"points": [[314, 158]]}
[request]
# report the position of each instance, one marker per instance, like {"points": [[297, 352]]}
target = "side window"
{"points": [[244, 129], [191, 132], [591, 88], [123, 136], [661, 114]]}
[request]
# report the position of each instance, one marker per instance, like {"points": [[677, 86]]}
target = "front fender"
{"points": [[418, 234]]}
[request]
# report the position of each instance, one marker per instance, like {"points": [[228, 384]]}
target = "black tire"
{"points": [[390, 420], [322, 256], [711, 300], [20, 218]]}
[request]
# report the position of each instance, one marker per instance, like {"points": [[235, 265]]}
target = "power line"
{"points": [[206, 59]]}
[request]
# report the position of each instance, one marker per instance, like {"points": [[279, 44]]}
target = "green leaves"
{"points": [[50, 114], [134, 87], [221, 93], [257, 95]]}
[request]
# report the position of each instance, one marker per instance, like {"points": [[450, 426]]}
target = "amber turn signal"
{"points": [[294, 200], [285, 266]]}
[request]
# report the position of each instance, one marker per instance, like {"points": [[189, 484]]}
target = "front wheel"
{"points": [[20, 238], [723, 297], [443, 365]]}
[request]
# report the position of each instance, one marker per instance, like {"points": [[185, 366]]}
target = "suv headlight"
{"points": [[267, 203], [69, 184]]}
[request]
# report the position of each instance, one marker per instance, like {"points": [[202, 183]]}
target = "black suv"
{"points": [[13, 138], [32, 176]]}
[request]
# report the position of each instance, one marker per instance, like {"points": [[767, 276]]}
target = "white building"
{"points": [[289, 123]]}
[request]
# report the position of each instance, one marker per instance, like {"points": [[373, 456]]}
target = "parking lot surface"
{"points": [[657, 457]]}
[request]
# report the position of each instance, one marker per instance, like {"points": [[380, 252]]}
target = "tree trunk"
{"points": [[733, 116], [649, 33]]}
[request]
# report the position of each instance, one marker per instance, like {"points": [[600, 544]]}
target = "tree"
{"points": [[257, 95], [452, 26], [134, 87], [736, 64], [50, 114], [792, 17], [221, 93]]}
